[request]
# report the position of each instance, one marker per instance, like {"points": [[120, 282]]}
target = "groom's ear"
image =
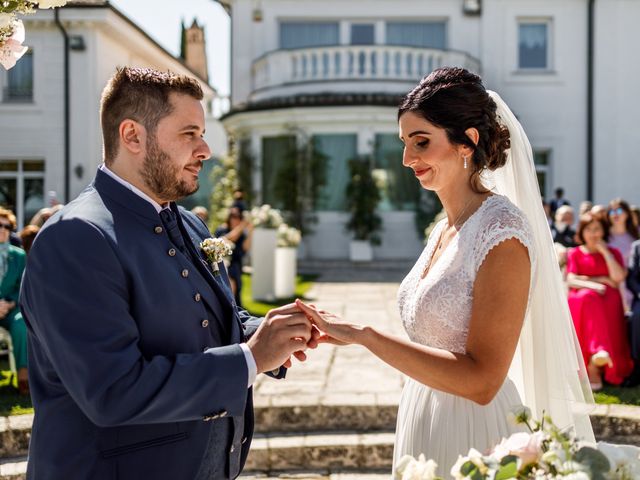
{"points": [[132, 136]]}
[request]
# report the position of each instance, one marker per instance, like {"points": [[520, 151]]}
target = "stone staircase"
{"points": [[335, 442]]}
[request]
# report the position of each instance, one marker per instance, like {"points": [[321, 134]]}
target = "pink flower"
{"points": [[527, 447], [11, 50]]}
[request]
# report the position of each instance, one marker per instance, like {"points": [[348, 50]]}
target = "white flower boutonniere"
{"points": [[216, 249]]}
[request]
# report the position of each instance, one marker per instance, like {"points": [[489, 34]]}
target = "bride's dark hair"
{"points": [[455, 99]]}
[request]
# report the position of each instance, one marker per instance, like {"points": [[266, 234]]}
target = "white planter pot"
{"points": [[360, 251], [285, 271], [263, 248]]}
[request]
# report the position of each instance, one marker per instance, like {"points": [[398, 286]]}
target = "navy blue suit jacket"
{"points": [[118, 322]]}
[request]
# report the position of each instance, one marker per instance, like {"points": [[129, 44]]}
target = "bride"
{"points": [[483, 307]]}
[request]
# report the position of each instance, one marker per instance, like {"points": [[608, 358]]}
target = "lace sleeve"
{"points": [[499, 225]]}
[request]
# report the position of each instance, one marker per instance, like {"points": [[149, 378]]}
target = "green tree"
{"points": [[224, 179], [363, 196]]}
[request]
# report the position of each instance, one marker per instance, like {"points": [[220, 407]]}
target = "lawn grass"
{"points": [[619, 395], [260, 309]]}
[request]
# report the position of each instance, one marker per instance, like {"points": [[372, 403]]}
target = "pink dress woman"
{"points": [[599, 319]]}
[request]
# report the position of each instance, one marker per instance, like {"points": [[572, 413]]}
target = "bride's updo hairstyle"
{"points": [[455, 99]]}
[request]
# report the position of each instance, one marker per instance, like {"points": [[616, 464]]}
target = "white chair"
{"points": [[5, 337]]}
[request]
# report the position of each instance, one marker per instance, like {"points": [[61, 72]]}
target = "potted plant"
{"points": [[285, 261], [266, 221], [363, 196]]}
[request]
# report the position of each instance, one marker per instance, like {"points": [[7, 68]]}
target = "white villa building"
{"points": [[35, 157], [335, 69]]}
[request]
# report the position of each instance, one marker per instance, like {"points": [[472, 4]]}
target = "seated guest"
{"points": [[585, 207], [562, 229], [12, 262], [28, 235], [622, 233], [594, 274]]}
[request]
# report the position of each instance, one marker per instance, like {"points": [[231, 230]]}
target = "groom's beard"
{"points": [[162, 176]]}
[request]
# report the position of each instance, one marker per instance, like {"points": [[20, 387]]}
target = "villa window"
{"points": [[22, 187], [533, 45], [541, 159], [417, 34], [338, 149], [18, 84], [308, 34]]}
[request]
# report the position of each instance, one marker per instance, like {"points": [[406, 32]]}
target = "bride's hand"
{"points": [[331, 328]]}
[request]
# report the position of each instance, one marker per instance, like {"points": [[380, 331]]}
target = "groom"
{"points": [[140, 362]]}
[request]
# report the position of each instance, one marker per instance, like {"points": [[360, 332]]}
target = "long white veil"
{"points": [[547, 367]]}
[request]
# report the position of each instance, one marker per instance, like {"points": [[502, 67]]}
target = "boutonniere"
{"points": [[215, 250]]}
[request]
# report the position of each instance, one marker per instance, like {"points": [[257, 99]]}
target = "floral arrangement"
{"points": [[543, 453], [12, 30], [266, 217], [288, 236], [216, 250]]}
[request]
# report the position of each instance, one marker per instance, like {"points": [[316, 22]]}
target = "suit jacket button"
{"points": [[172, 252], [185, 273], [233, 448], [158, 229], [205, 323], [197, 297]]}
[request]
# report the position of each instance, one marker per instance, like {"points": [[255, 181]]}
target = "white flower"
{"points": [[519, 415], [6, 20], [527, 447], [11, 50], [51, 3], [411, 469], [624, 459], [455, 470], [216, 249]]}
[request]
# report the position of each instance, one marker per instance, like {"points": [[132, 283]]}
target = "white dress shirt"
{"points": [[251, 363]]}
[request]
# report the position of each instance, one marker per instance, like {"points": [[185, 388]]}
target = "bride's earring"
{"points": [[465, 162]]}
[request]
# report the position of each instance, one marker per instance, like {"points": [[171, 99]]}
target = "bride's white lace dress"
{"points": [[435, 311]]}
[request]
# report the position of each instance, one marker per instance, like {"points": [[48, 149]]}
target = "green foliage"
{"points": [[246, 164], [363, 197], [224, 179], [260, 309], [299, 180], [426, 215]]}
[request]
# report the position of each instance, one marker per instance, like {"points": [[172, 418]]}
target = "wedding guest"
{"points": [[600, 211], [595, 272], [41, 216], [635, 213], [12, 262], [239, 231], [28, 235], [633, 285], [585, 207], [562, 229], [558, 201], [238, 199], [202, 213], [622, 234]]}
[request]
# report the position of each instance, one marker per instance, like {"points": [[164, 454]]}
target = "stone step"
{"points": [[323, 417], [326, 453], [296, 475], [13, 468]]}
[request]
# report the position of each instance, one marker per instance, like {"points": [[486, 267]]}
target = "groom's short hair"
{"points": [[140, 94]]}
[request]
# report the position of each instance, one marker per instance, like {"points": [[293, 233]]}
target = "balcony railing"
{"points": [[353, 62]]}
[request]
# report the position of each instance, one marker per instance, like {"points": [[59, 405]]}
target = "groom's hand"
{"points": [[285, 332]]}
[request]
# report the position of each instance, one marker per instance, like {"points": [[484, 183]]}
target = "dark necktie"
{"points": [[170, 222]]}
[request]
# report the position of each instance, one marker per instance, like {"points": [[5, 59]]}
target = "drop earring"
{"points": [[465, 162]]}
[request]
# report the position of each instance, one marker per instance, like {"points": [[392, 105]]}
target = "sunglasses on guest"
{"points": [[6, 226], [616, 211]]}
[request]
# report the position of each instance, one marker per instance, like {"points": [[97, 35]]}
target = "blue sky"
{"points": [[161, 20]]}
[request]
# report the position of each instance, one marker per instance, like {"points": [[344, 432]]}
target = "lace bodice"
{"points": [[436, 310]]}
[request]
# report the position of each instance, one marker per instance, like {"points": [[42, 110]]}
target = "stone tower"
{"points": [[193, 49]]}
